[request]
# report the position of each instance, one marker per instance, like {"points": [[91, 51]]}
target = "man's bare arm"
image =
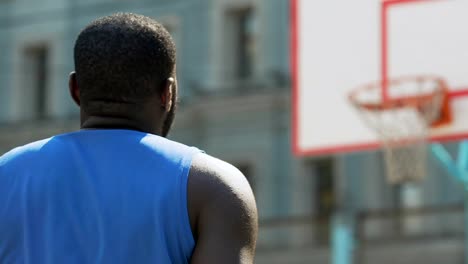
{"points": [[223, 213]]}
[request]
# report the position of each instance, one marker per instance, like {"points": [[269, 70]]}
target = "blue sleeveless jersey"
{"points": [[96, 196]]}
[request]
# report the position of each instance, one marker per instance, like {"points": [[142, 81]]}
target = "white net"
{"points": [[402, 123]]}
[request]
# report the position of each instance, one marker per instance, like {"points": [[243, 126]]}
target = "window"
{"points": [[324, 192], [171, 29], [36, 78], [246, 169], [240, 43], [173, 25], [408, 196]]}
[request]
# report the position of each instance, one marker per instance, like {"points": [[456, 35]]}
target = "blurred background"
{"points": [[235, 103]]}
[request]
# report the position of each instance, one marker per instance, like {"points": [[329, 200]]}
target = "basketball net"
{"points": [[401, 119]]}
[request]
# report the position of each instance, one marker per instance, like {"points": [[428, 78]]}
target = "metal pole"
{"points": [[465, 189], [342, 231], [458, 170], [342, 240], [450, 165], [462, 159], [462, 163]]}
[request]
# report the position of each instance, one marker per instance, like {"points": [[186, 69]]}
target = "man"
{"points": [[117, 191]]}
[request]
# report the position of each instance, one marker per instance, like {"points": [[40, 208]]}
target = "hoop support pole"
{"points": [[459, 170], [462, 160], [447, 161], [465, 190], [342, 238]]}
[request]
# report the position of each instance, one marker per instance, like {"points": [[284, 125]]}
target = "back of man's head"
{"points": [[122, 59]]}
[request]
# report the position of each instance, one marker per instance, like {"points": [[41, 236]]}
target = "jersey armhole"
{"points": [[186, 229]]}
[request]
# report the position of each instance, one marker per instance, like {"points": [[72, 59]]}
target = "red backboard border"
{"points": [[295, 55]]}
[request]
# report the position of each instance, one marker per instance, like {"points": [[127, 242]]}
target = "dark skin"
{"points": [[222, 210]]}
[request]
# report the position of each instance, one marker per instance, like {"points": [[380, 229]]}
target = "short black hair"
{"points": [[123, 58]]}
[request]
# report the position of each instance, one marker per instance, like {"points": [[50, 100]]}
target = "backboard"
{"points": [[339, 45]]}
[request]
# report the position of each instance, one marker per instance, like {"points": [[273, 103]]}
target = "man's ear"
{"points": [[74, 89], [166, 95]]}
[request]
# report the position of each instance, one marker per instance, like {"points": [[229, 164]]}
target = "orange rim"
{"points": [[414, 101]]}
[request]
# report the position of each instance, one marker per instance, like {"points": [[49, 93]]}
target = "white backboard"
{"points": [[338, 45]]}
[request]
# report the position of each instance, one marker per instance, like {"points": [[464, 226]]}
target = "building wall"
{"points": [[244, 121]]}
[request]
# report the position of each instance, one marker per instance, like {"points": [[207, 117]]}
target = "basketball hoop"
{"points": [[401, 112]]}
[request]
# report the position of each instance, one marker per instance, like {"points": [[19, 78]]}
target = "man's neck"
{"points": [[101, 122]]}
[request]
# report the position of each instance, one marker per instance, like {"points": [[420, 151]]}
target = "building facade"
{"points": [[234, 77]]}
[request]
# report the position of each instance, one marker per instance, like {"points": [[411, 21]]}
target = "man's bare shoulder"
{"points": [[214, 175], [221, 205], [211, 178]]}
